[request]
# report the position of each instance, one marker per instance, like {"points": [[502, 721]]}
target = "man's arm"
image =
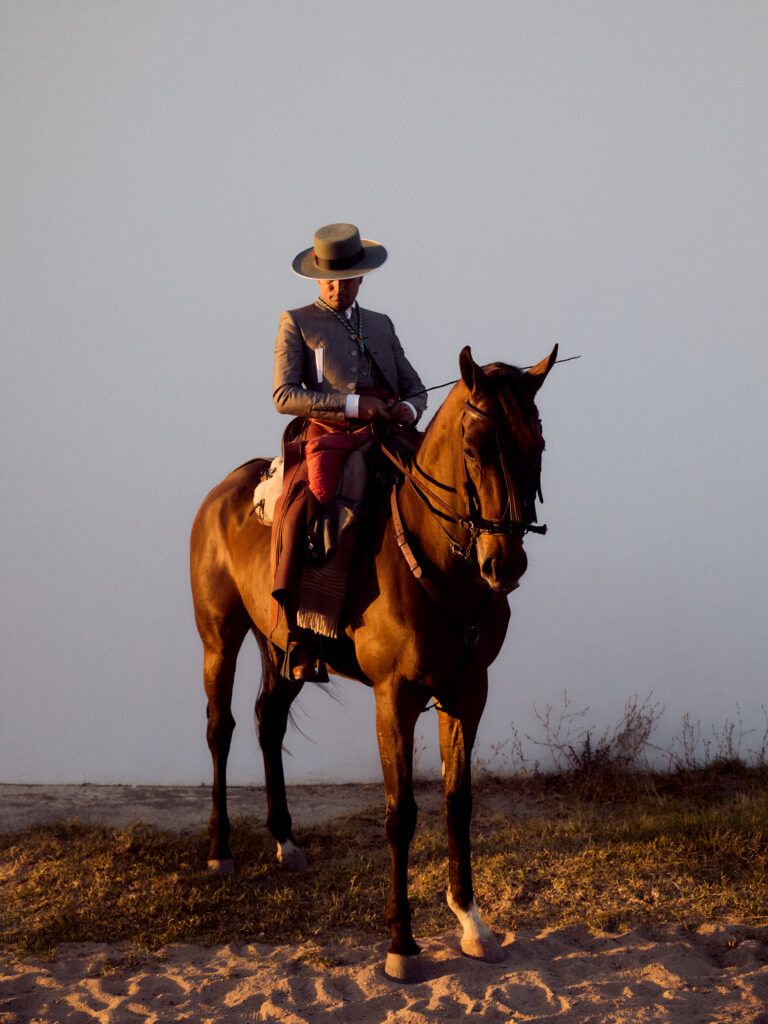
{"points": [[409, 383], [291, 392]]}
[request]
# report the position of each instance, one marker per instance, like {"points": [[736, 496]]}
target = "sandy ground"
{"points": [[570, 975]]}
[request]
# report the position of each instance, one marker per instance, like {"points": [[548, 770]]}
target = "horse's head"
{"points": [[501, 448]]}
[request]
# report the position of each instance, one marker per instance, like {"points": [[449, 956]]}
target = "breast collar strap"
{"points": [[469, 630]]}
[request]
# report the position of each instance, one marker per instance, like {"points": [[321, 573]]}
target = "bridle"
{"points": [[512, 523]]}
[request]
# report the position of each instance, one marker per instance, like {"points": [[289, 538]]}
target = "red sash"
{"points": [[327, 448], [328, 445]]}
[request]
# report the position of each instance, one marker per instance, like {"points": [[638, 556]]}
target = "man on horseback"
{"points": [[339, 368]]}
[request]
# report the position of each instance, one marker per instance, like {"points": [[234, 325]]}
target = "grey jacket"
{"points": [[316, 363]]}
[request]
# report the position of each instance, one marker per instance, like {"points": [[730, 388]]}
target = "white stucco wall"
{"points": [[587, 173]]}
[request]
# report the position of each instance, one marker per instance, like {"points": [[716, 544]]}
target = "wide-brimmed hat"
{"points": [[339, 252]]}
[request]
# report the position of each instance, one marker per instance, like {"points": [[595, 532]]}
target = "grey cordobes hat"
{"points": [[339, 252]]}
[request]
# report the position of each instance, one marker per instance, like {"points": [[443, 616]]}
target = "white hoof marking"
{"points": [[290, 856], [222, 867], [477, 941], [475, 928]]}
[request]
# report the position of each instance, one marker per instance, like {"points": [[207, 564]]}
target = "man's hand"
{"points": [[402, 413], [370, 408]]}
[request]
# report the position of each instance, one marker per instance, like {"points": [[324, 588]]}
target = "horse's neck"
{"points": [[437, 465], [440, 451], [436, 458]]}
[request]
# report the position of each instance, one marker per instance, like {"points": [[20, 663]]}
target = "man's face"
{"points": [[340, 294]]}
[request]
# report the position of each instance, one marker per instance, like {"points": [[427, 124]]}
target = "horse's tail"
{"points": [[270, 679], [266, 662]]}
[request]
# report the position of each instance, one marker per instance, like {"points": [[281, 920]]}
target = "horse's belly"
{"points": [[251, 553]]}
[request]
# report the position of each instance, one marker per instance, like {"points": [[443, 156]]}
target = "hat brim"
{"points": [[373, 256]]}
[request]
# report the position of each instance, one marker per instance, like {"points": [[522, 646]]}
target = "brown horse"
{"points": [[424, 625]]}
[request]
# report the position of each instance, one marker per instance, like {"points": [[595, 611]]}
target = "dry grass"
{"points": [[615, 852]]}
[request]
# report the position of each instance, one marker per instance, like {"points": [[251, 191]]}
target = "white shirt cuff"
{"points": [[415, 414], [352, 407]]}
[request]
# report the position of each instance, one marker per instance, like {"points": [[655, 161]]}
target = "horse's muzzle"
{"points": [[503, 574]]}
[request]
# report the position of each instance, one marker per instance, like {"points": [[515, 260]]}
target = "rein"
{"points": [[474, 524]]}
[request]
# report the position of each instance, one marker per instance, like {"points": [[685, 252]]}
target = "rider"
{"points": [[339, 367]]}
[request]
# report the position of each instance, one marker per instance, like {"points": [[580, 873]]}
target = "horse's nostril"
{"points": [[488, 567], [492, 571]]}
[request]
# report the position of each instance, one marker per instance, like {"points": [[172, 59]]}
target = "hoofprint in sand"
{"points": [[570, 975]]}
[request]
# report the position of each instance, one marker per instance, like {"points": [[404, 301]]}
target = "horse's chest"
{"points": [[433, 657], [405, 632]]}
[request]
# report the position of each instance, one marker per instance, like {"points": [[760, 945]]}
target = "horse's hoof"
{"points": [[221, 867], [487, 949], [290, 856], [406, 969]]}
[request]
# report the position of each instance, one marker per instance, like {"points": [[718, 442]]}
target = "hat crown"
{"points": [[337, 242]]}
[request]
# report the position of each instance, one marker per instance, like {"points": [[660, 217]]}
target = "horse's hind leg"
{"points": [[272, 707], [459, 720], [221, 648]]}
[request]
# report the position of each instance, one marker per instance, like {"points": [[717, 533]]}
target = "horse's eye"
{"points": [[469, 455]]}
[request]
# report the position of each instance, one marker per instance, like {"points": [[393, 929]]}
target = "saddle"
{"points": [[314, 542]]}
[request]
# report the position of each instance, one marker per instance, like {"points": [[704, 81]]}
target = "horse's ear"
{"points": [[537, 374], [471, 373]]}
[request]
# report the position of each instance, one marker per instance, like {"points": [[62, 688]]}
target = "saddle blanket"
{"points": [[268, 491]]}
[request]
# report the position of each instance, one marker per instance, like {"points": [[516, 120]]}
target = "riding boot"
{"points": [[303, 661]]}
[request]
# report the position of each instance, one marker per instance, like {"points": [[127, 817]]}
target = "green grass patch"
{"points": [[652, 850]]}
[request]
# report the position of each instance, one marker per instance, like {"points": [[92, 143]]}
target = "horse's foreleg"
{"points": [[272, 707], [458, 728], [397, 710]]}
